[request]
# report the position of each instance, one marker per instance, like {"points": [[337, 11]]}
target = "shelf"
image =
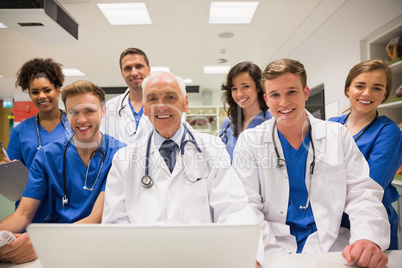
{"points": [[394, 104], [205, 113], [397, 180], [374, 45], [202, 115], [396, 67]]}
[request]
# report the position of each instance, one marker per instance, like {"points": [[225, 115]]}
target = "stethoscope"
{"points": [[224, 136], [281, 162], [365, 129], [64, 199], [147, 181], [37, 128], [122, 105]]}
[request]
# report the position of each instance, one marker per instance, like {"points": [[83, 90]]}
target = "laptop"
{"points": [[99, 245]]}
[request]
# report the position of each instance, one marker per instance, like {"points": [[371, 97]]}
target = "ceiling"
{"points": [[180, 37]]}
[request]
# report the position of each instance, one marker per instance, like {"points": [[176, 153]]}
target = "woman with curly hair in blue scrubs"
{"points": [[42, 78]]}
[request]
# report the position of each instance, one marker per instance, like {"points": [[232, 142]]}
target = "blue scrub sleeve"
{"points": [[13, 148], [386, 156], [37, 184]]}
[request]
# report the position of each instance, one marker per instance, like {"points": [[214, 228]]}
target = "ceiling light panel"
{"points": [[73, 72], [126, 13], [232, 12], [216, 69], [2, 25], [160, 69]]}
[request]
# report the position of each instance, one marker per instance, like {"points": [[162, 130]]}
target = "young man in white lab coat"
{"points": [[124, 118], [301, 174], [151, 194]]}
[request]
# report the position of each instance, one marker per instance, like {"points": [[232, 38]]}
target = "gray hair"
{"points": [[152, 75]]}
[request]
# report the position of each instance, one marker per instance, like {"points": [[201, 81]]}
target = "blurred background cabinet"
{"points": [[374, 47], [206, 119]]}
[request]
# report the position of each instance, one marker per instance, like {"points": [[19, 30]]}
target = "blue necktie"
{"points": [[168, 153]]}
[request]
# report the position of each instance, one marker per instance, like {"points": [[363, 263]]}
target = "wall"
{"points": [[331, 51]]}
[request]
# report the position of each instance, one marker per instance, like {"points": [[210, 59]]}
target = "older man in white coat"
{"points": [[146, 186]]}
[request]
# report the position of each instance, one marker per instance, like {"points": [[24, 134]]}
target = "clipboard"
{"points": [[13, 178]]}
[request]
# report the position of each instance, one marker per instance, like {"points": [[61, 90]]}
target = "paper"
{"points": [[13, 178]]}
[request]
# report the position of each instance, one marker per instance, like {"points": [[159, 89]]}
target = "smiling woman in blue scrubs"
{"points": [[43, 79], [245, 98], [367, 85]]}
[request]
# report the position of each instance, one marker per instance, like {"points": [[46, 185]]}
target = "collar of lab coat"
{"points": [[126, 111]]}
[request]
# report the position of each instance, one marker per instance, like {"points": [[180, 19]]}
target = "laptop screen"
{"points": [[96, 245]]}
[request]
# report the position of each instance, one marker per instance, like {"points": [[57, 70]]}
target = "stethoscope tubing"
{"points": [[65, 200], [224, 135], [365, 129], [122, 105], [148, 182], [37, 128], [281, 162]]}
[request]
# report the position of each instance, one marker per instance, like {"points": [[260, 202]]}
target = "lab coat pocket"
{"points": [[195, 203]]}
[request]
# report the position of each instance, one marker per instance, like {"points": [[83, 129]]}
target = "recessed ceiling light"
{"points": [[126, 13], [188, 80], [226, 35], [73, 72], [160, 68], [232, 12], [3, 25], [1, 76], [216, 69]]}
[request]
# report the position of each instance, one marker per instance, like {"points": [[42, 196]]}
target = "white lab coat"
{"points": [[340, 183], [173, 199], [123, 127]]}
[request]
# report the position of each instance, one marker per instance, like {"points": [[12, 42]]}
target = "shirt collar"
{"points": [[159, 139]]}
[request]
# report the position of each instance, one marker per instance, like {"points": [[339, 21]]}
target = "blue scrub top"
{"points": [[300, 221], [381, 145], [24, 141], [45, 181], [23, 146], [226, 133], [137, 116]]}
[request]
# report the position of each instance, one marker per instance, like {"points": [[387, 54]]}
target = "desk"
{"points": [[312, 260], [327, 260]]}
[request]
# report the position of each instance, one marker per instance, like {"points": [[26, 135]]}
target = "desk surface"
{"points": [[328, 260]]}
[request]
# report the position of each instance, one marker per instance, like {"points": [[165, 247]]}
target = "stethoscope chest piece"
{"points": [[64, 200], [280, 163], [147, 181]]}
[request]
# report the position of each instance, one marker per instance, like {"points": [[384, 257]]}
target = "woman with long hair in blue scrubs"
{"points": [[42, 78], [367, 85], [247, 108]]}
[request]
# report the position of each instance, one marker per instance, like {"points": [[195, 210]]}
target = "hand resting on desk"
{"points": [[365, 254], [19, 251]]}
